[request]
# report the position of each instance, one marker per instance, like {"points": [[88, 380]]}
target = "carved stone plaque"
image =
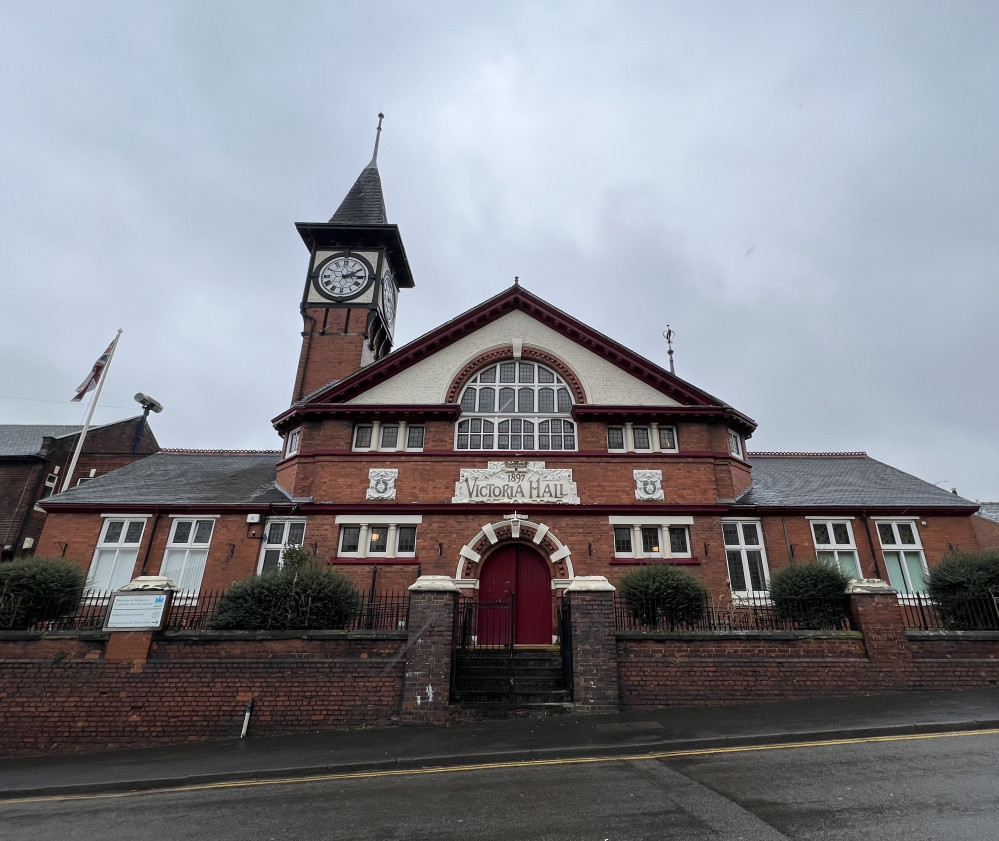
{"points": [[382, 483], [516, 481], [649, 484]]}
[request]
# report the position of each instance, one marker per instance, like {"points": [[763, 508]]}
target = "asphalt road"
{"points": [[943, 788]]}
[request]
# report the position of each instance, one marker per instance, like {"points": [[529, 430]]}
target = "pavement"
{"points": [[499, 740]]}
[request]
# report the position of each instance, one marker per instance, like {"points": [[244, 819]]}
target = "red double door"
{"points": [[522, 573]]}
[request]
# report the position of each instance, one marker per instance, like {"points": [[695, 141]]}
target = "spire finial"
{"points": [[516, 281], [378, 136], [668, 336]]}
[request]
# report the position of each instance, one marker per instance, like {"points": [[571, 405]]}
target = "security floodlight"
{"points": [[147, 403]]}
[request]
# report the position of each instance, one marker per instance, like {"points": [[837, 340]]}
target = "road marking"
{"points": [[490, 766]]}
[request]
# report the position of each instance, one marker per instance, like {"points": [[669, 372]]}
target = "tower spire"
{"points": [[378, 137], [668, 336]]}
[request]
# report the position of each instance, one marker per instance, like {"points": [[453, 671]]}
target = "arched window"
{"points": [[516, 406]]}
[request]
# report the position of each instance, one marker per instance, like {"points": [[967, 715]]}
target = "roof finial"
{"points": [[378, 136], [668, 336], [516, 281]]}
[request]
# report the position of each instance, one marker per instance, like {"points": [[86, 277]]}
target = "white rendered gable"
{"points": [[427, 381]]}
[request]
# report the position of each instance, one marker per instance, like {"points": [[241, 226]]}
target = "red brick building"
{"points": [[33, 464], [511, 449]]}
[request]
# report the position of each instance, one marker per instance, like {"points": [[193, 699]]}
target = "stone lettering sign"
{"points": [[516, 481]]}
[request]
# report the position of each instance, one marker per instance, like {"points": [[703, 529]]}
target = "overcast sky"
{"points": [[807, 192]]}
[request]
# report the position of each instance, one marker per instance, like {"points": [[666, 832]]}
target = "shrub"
{"points": [[963, 586], [300, 595], [661, 595], [811, 594], [35, 590]]}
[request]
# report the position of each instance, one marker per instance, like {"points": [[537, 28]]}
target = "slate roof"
{"points": [[989, 510], [26, 439], [364, 204], [839, 479], [184, 478]]}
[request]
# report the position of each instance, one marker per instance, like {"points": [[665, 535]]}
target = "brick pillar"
{"points": [[594, 644], [876, 613], [427, 686]]}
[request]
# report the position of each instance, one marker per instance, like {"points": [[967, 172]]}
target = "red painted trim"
{"points": [[444, 411], [673, 562], [563, 457], [671, 413], [336, 560], [517, 298]]}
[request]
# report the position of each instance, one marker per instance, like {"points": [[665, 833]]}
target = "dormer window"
{"points": [[516, 406]]}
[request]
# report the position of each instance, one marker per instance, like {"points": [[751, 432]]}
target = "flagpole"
{"points": [[90, 414]]}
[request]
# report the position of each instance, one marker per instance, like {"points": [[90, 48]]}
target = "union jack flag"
{"points": [[90, 383]]}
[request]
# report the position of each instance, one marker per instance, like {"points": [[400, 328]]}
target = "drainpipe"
{"points": [[19, 537], [152, 535], [870, 542]]}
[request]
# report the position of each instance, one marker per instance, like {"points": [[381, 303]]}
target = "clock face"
{"points": [[388, 298], [343, 276]]}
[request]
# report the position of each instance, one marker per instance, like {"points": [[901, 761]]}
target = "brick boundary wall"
{"points": [[62, 692], [59, 695]]}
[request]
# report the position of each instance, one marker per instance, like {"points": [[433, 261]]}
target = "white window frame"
{"points": [[367, 525], [188, 555], [49, 488], [836, 551], [118, 557], [294, 442], [743, 548], [902, 575], [423, 437], [496, 418], [266, 546], [376, 431], [735, 446], [662, 525], [653, 430], [353, 437]]}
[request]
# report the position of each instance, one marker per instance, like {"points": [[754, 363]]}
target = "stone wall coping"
{"points": [[869, 586], [151, 582], [590, 584], [954, 636], [434, 584], [706, 636], [97, 636], [265, 636]]}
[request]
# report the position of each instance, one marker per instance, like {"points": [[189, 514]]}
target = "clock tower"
{"points": [[357, 265]]}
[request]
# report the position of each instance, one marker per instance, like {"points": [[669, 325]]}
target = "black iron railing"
{"points": [[921, 613], [752, 613], [387, 611]]}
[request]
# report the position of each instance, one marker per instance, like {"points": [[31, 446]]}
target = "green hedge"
{"points": [[35, 590], [664, 596], [964, 587], [810, 593], [298, 596]]}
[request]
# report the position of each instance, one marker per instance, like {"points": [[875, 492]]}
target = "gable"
{"points": [[427, 381]]}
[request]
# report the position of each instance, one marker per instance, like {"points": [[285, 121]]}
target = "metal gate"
{"points": [[486, 666]]}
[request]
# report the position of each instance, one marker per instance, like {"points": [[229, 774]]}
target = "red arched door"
{"points": [[521, 572]]}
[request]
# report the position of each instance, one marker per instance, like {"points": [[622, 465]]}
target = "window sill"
{"points": [[379, 560], [646, 561]]}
